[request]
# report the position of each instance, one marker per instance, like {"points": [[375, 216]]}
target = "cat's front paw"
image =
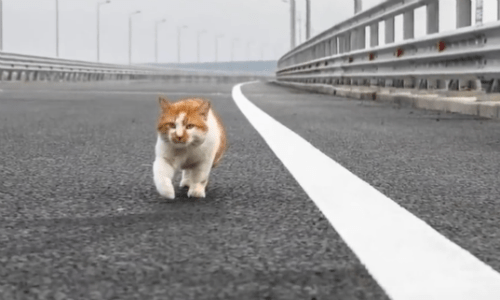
{"points": [[166, 190], [198, 191]]}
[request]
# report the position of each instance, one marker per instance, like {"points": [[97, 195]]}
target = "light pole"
{"points": [[179, 28], [299, 20], [1, 27], [98, 25], [156, 38], [292, 23], [57, 28], [130, 36], [308, 19], [357, 6], [217, 44], [198, 44], [232, 47]]}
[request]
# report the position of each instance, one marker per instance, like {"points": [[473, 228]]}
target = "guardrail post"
{"points": [[341, 44], [389, 30], [354, 39], [464, 17], [347, 42], [374, 35], [433, 17], [389, 83], [408, 24], [361, 37]]}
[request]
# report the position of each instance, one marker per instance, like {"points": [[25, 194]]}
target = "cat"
{"points": [[191, 138]]}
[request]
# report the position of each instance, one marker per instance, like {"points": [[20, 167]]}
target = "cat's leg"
{"points": [[163, 173], [186, 178], [199, 180]]}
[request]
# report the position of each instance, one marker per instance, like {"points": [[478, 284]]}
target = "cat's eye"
{"points": [[171, 125], [189, 126]]}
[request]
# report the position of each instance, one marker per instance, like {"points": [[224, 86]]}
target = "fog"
{"points": [[261, 27]]}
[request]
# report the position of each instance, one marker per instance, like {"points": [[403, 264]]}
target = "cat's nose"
{"points": [[177, 138]]}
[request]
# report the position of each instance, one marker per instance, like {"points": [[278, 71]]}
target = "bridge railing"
{"points": [[467, 58], [15, 66], [20, 67]]}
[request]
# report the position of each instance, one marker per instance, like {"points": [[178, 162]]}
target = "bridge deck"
{"points": [[79, 214]]}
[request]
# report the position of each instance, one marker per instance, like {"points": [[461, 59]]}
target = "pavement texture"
{"points": [[442, 167], [80, 217]]}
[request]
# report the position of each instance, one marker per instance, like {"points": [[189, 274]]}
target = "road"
{"points": [[80, 217]]}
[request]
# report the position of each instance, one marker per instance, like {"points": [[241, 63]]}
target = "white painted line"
{"points": [[408, 258]]}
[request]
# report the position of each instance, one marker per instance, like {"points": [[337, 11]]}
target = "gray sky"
{"points": [[29, 27]]}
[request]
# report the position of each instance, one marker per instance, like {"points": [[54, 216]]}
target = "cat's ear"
{"points": [[164, 102], [205, 108]]}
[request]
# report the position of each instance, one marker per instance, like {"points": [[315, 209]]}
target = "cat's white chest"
{"points": [[184, 158]]}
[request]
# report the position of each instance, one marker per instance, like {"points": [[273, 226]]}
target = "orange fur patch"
{"points": [[192, 107]]}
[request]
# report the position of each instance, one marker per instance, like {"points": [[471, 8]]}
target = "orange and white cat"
{"points": [[191, 138]]}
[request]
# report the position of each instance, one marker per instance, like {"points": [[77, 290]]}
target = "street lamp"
{"points": [[357, 6], [98, 24], [130, 36], [217, 44], [179, 29], [198, 45], [57, 28], [232, 47], [292, 23], [299, 20], [308, 19], [156, 38], [1, 27]]}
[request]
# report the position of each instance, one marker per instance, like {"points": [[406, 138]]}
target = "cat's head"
{"points": [[183, 123]]}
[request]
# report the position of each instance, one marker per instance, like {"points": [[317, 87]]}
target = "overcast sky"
{"points": [[29, 27]]}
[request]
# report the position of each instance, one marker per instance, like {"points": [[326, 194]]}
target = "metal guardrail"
{"points": [[27, 67], [20, 67], [467, 58]]}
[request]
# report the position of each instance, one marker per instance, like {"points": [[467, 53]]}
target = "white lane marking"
{"points": [[408, 258]]}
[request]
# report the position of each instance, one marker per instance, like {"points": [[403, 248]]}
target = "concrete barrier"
{"points": [[471, 104]]}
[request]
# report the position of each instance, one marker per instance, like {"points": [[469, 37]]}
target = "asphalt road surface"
{"points": [[80, 217]]}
